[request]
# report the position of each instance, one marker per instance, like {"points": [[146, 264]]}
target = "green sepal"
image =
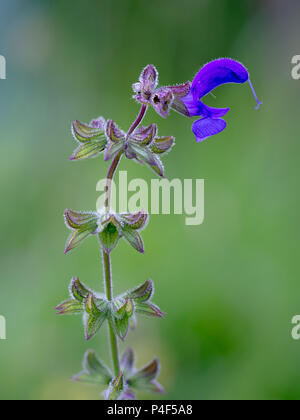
{"points": [[144, 379], [109, 237], [121, 313], [83, 132], [127, 361], [116, 388], [133, 238], [78, 291], [145, 156], [142, 293], [81, 220], [75, 239], [89, 149], [162, 145], [143, 136], [69, 307], [149, 309], [94, 317], [136, 221], [75, 305], [82, 224], [94, 371], [113, 149]]}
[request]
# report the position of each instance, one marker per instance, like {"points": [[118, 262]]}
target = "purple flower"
{"points": [[212, 75], [187, 98]]}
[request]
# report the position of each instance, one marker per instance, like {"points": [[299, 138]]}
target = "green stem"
{"points": [[109, 178], [106, 257], [109, 295]]}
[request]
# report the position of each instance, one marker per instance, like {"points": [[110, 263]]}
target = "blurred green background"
{"points": [[230, 286]]}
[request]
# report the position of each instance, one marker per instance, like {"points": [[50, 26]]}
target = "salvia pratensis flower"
{"points": [[187, 98]]}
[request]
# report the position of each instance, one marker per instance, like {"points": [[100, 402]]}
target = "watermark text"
{"points": [[2, 328], [160, 197], [2, 67], [296, 68]]}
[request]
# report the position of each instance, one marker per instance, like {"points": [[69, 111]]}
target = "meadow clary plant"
{"points": [[145, 146]]}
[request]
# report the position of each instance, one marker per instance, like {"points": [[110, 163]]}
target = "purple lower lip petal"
{"points": [[208, 127]]}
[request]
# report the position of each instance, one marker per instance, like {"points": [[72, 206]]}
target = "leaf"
{"points": [[109, 237], [133, 238], [142, 293], [70, 307], [77, 290], [89, 149], [95, 372], [83, 132]]}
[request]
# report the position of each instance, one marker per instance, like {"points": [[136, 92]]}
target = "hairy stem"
{"points": [[138, 120], [109, 178], [106, 257], [109, 295]]}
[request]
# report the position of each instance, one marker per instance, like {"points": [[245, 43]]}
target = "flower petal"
{"points": [[208, 127], [195, 108], [216, 73], [212, 112]]}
